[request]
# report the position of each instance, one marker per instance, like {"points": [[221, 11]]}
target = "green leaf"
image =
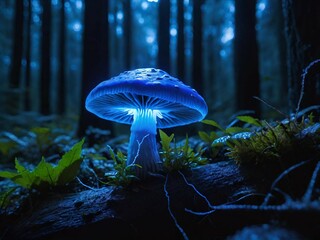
{"points": [[69, 165], [213, 123], [45, 174], [9, 175], [120, 155], [233, 130], [250, 120], [204, 136], [25, 177], [165, 140], [112, 154], [5, 197]]}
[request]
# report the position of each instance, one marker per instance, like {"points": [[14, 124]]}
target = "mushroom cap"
{"points": [[147, 88]]}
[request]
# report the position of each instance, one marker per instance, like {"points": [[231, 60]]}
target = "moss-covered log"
{"points": [[141, 212]]}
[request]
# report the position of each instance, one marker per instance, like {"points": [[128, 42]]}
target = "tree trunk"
{"points": [[277, 6], [302, 27], [197, 70], [95, 59], [181, 43], [246, 61], [164, 35], [45, 72], [27, 97], [61, 99], [127, 30], [15, 70]]}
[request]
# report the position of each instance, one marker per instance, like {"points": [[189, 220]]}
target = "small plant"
{"points": [[179, 157], [123, 173], [216, 139], [45, 175], [5, 199], [280, 142], [43, 137]]}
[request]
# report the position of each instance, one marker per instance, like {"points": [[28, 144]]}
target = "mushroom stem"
{"points": [[143, 145]]}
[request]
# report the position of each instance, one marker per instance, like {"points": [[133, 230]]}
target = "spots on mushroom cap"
{"points": [[152, 75]]}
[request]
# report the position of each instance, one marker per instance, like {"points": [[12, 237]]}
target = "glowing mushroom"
{"points": [[148, 99]]}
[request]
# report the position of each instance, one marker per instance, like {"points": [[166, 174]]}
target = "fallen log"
{"points": [[141, 212]]}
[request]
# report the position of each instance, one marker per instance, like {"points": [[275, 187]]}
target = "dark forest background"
{"points": [[53, 52]]}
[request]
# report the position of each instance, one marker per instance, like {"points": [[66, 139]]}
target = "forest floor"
{"points": [[226, 198]]}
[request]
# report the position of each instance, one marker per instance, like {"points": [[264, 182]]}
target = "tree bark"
{"points": [[45, 72], [181, 43], [127, 30], [61, 99], [246, 61], [164, 35], [302, 25], [197, 70], [95, 59], [27, 97], [15, 70], [139, 213], [277, 6]]}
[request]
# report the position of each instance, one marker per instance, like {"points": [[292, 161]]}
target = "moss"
{"points": [[288, 143]]}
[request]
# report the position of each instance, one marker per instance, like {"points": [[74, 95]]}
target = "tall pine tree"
{"points": [[95, 59], [246, 61], [45, 72]]}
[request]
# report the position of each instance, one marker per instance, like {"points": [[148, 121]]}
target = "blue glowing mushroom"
{"points": [[148, 99]]}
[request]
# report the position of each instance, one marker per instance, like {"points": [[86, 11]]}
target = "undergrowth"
{"points": [[179, 157], [291, 142], [45, 175], [123, 174]]}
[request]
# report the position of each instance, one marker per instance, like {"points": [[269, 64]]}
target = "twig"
{"points": [[280, 177], [303, 75], [307, 196], [270, 106]]}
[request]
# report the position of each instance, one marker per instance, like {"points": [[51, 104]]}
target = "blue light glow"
{"points": [[77, 27], [173, 32], [228, 35]]}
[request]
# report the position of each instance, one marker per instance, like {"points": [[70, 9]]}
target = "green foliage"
{"points": [[43, 136], [250, 120], [46, 175], [6, 145], [213, 124], [211, 136], [5, 198], [179, 157], [281, 142], [122, 174], [208, 137], [217, 139]]}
